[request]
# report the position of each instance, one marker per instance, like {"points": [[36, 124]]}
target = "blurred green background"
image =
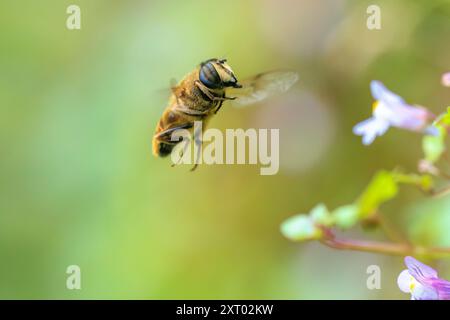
{"points": [[79, 184]]}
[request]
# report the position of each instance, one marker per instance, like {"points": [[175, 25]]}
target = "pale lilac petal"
{"points": [[408, 284], [421, 272], [384, 111], [370, 128], [381, 93], [404, 281], [432, 131], [442, 287], [424, 292], [411, 118]]}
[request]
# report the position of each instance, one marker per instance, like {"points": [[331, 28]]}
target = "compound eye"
{"points": [[209, 76]]}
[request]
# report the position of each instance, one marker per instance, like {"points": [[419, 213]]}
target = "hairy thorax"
{"points": [[190, 95]]}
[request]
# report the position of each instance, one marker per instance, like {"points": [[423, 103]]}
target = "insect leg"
{"points": [[187, 145], [221, 102], [197, 156], [168, 132], [224, 98], [218, 107], [208, 93], [198, 145], [191, 112], [162, 141], [204, 89]]}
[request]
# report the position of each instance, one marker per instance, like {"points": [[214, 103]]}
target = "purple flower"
{"points": [[389, 110], [446, 79], [422, 282]]}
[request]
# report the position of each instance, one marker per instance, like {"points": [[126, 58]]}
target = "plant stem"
{"points": [[441, 193], [401, 249]]}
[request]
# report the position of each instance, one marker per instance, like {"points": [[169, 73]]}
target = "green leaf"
{"points": [[382, 188], [425, 182], [443, 119], [321, 216], [434, 146], [346, 216], [300, 228]]}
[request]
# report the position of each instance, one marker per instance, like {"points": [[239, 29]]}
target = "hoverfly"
{"points": [[201, 93]]}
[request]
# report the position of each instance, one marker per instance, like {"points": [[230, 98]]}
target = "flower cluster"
{"points": [[390, 110]]}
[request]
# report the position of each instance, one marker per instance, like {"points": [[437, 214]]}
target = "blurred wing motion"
{"points": [[262, 86]]}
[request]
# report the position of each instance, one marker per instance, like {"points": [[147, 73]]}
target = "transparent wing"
{"points": [[262, 86], [167, 91]]}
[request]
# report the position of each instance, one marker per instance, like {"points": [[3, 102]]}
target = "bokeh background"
{"points": [[79, 184]]}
